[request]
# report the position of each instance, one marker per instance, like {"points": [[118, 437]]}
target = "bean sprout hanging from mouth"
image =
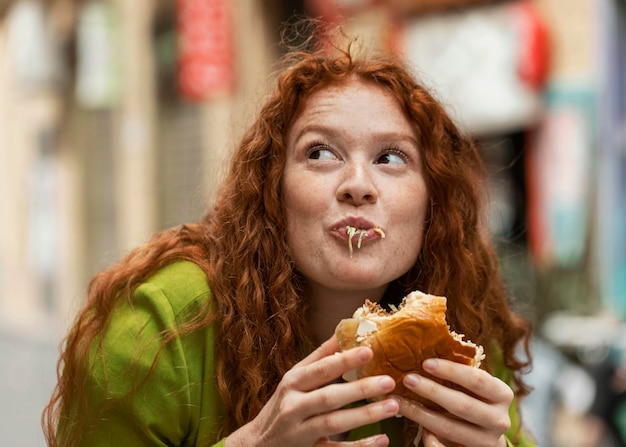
{"points": [[379, 232], [352, 231]]}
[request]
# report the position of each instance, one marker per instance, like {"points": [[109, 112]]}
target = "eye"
{"points": [[392, 156], [320, 151]]}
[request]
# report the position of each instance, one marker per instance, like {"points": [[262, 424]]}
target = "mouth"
{"points": [[356, 232]]}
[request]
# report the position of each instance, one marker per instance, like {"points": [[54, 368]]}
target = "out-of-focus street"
{"points": [[26, 380]]}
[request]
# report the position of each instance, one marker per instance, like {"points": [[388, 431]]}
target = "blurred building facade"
{"points": [[99, 149], [117, 118]]}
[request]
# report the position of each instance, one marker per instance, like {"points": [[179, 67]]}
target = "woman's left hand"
{"points": [[479, 421]]}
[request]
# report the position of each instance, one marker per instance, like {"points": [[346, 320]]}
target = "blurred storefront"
{"points": [[109, 131], [117, 118]]}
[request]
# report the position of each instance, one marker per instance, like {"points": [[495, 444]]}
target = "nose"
{"points": [[357, 186]]}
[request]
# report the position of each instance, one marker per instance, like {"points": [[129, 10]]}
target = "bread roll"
{"points": [[402, 339]]}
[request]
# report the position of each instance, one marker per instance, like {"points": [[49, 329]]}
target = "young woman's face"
{"points": [[353, 161]]}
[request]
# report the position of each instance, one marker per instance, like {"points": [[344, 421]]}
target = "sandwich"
{"points": [[402, 338]]}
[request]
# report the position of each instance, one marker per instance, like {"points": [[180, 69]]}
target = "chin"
{"points": [[363, 278]]}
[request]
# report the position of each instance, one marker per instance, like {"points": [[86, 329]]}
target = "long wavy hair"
{"points": [[258, 305]]}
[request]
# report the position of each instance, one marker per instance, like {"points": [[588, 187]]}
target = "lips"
{"points": [[359, 223], [356, 232], [365, 234]]}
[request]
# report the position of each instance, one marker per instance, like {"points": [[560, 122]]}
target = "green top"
{"points": [[175, 401]]}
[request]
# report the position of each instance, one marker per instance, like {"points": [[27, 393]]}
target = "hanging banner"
{"points": [[205, 45], [560, 177], [33, 56], [98, 79], [334, 10], [487, 64]]}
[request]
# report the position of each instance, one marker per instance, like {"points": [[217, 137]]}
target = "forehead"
{"points": [[345, 88], [352, 101]]}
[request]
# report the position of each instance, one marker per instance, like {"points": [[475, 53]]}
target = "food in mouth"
{"points": [[353, 231], [403, 338]]}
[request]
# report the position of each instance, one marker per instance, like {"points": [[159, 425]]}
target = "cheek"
{"points": [[413, 217], [411, 199], [302, 211], [296, 204], [305, 198]]}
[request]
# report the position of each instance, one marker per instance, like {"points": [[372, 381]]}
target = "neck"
{"points": [[331, 306]]}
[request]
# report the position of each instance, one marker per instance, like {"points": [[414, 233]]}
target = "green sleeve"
{"points": [[516, 436], [144, 392]]}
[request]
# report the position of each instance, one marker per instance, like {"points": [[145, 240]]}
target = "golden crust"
{"points": [[403, 339]]}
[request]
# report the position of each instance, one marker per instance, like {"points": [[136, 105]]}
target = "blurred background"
{"points": [[117, 118]]}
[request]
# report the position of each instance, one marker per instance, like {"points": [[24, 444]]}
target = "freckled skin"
{"points": [[352, 152]]}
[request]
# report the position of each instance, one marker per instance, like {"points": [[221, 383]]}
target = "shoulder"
{"points": [[156, 307], [182, 284], [144, 328], [146, 380]]}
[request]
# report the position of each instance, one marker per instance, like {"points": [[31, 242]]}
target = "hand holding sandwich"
{"points": [[466, 420], [439, 383], [307, 407]]}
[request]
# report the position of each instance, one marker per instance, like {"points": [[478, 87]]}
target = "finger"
{"points": [[435, 424], [341, 421], [430, 440], [372, 441], [446, 427], [475, 380], [485, 414], [329, 347], [333, 397], [310, 376]]}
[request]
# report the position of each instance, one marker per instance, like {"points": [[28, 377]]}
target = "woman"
{"points": [[206, 335]]}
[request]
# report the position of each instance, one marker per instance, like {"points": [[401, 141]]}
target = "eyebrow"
{"points": [[336, 131], [316, 128]]}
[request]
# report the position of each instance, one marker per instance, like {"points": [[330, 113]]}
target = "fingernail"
{"points": [[387, 383], [430, 365], [411, 379], [397, 399], [364, 354], [391, 406]]}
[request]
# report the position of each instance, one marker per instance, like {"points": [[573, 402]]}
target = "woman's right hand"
{"points": [[307, 407]]}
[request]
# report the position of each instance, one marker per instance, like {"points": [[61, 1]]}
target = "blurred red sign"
{"points": [[205, 45]]}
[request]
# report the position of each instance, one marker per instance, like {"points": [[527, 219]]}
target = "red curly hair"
{"points": [[241, 246]]}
